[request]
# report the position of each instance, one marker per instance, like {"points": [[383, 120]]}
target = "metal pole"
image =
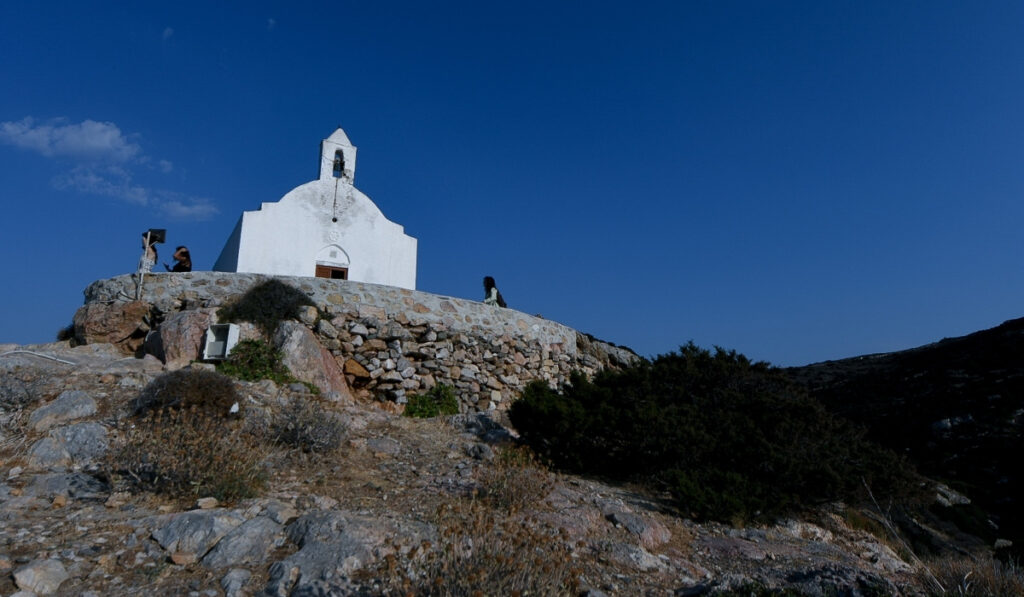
{"points": [[142, 273]]}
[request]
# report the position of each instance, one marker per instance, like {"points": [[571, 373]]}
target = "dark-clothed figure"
{"points": [[182, 260], [491, 294]]}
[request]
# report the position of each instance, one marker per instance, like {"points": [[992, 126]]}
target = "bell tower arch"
{"points": [[338, 157]]}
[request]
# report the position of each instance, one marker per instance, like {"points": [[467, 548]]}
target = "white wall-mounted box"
{"points": [[220, 339]]}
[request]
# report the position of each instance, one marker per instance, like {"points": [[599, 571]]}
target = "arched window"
{"points": [[339, 164]]}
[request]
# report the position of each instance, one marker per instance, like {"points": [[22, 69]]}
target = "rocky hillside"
{"points": [[956, 407], [425, 506]]}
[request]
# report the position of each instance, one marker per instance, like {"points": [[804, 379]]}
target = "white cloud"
{"points": [[168, 32], [117, 183], [190, 208], [90, 140], [107, 182], [104, 162]]}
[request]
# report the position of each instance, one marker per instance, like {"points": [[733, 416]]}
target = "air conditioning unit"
{"points": [[220, 339]]}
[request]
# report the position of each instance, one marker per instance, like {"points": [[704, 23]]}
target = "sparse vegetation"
{"points": [[488, 545], [305, 425], [514, 480], [66, 334], [752, 589], [188, 388], [253, 360], [962, 576], [266, 305], [488, 553], [438, 400], [730, 439], [187, 453]]}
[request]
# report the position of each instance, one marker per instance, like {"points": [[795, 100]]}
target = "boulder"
{"points": [[635, 557], [42, 577], [79, 486], [196, 532], [81, 443], [234, 581], [248, 543], [70, 405], [48, 453], [181, 337], [334, 544], [651, 532], [309, 361], [122, 324]]}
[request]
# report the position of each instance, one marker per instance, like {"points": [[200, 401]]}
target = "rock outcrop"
{"points": [[121, 323]]}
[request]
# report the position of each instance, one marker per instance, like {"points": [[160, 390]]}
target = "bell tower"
{"points": [[338, 157]]}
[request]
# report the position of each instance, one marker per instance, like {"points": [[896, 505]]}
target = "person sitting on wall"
{"points": [[491, 294], [183, 260], [149, 256]]}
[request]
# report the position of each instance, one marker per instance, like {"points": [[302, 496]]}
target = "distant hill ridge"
{"points": [[956, 407]]}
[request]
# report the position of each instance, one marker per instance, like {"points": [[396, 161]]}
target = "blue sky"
{"points": [[798, 181]]}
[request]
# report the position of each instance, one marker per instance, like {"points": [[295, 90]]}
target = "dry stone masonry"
{"points": [[390, 342]]}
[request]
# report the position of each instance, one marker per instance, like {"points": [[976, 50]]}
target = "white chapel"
{"points": [[325, 228]]}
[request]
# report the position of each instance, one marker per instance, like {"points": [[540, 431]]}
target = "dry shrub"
{"points": [[482, 552], [875, 525], [488, 546], [486, 552], [188, 453], [267, 304], [307, 426], [514, 480], [981, 575], [188, 388]]}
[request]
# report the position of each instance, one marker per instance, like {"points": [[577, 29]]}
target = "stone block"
{"points": [[353, 367]]}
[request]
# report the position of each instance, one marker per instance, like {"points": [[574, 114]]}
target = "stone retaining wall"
{"points": [[391, 342]]}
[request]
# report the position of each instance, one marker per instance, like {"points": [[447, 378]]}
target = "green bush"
{"points": [[188, 388], [253, 360], [266, 305], [730, 439], [438, 400]]}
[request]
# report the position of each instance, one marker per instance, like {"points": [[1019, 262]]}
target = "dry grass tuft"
{"points": [[514, 480], [187, 453], [486, 552], [488, 543], [978, 575], [305, 425]]}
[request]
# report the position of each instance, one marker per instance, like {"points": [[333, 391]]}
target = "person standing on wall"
{"points": [[149, 255], [491, 294]]}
